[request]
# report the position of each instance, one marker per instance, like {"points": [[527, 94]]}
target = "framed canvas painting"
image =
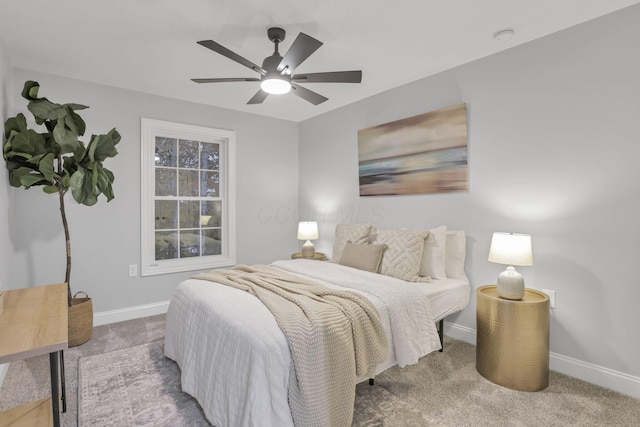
{"points": [[418, 155]]}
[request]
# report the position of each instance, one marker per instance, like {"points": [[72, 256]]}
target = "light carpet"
{"points": [[138, 386], [445, 386]]}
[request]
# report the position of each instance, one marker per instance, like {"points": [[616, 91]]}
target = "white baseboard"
{"points": [[594, 374], [460, 332], [599, 375], [3, 372], [129, 313]]}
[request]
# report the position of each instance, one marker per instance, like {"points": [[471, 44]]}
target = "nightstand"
{"points": [[513, 339], [319, 256]]}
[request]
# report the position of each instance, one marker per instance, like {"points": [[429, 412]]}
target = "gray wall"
{"points": [[105, 238], [553, 151], [6, 249]]}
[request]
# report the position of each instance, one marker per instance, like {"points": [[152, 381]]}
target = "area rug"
{"points": [[138, 386]]}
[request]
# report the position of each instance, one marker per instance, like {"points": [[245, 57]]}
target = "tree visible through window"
{"points": [[188, 214]]}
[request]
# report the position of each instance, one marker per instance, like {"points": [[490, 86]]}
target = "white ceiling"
{"points": [[150, 45]]}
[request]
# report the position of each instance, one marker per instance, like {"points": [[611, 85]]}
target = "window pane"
{"points": [[188, 194], [166, 245], [211, 242], [209, 156], [210, 184], [189, 244], [165, 182], [188, 154], [166, 214], [189, 214], [188, 183], [165, 151], [212, 213]]}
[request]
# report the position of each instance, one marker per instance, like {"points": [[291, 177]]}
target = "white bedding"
{"points": [[235, 361]]}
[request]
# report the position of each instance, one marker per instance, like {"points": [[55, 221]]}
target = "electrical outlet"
{"points": [[133, 270], [552, 297]]}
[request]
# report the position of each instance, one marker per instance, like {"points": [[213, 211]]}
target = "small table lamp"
{"points": [[511, 249], [308, 230]]}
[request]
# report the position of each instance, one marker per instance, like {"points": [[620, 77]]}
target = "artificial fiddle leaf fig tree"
{"points": [[56, 159]]}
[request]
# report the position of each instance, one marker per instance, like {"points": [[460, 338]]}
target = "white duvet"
{"points": [[235, 361]]}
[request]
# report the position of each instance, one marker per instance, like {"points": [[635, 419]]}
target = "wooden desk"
{"points": [[34, 322]]}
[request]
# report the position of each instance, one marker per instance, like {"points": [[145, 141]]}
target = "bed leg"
{"points": [[371, 381], [441, 334]]}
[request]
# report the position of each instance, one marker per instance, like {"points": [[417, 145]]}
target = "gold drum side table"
{"points": [[513, 339], [318, 256]]}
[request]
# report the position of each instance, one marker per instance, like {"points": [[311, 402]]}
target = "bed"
{"points": [[235, 360]]}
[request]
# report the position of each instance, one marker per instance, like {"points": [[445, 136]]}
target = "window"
{"points": [[188, 207]]}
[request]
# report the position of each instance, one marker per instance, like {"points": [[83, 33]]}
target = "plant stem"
{"points": [[61, 193]]}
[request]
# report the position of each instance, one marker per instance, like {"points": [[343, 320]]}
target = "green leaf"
{"points": [[100, 148], [80, 124], [94, 180], [15, 124], [25, 144], [30, 90], [76, 107], [65, 137], [80, 151], [66, 181], [108, 192], [15, 175], [46, 168], [44, 109], [115, 136], [50, 189], [76, 184], [31, 179], [109, 174]]}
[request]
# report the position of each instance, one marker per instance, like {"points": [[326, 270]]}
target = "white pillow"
{"points": [[434, 254], [455, 254], [358, 234], [404, 253]]}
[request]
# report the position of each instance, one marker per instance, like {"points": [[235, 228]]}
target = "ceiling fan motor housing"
{"points": [[276, 34]]}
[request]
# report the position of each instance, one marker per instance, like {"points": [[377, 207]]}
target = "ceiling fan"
{"points": [[276, 71]]}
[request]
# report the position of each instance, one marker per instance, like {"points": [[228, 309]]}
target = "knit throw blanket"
{"points": [[333, 336]]}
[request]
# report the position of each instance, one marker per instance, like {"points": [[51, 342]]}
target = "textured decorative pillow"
{"points": [[434, 255], [363, 257], [404, 252], [358, 234], [455, 254]]}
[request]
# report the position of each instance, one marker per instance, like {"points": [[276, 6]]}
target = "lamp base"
{"points": [[308, 250], [510, 284]]}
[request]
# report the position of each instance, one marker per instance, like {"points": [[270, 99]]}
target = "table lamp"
{"points": [[308, 230], [511, 249]]}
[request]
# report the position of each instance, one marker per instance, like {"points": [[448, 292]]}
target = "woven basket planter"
{"points": [[80, 320]]}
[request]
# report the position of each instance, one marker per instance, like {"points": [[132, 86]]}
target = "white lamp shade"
{"points": [[308, 230], [511, 249]]}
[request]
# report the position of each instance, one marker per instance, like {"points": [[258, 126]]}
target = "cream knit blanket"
{"points": [[333, 336]]}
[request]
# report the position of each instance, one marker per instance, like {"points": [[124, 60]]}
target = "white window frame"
{"points": [[226, 139]]}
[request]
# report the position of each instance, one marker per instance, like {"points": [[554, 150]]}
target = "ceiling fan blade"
{"points": [[259, 97], [224, 80], [303, 46], [306, 94], [218, 48], [330, 77]]}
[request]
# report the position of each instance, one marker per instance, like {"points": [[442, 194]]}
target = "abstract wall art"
{"points": [[417, 155]]}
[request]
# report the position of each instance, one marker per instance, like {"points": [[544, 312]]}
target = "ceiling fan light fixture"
{"points": [[275, 85]]}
